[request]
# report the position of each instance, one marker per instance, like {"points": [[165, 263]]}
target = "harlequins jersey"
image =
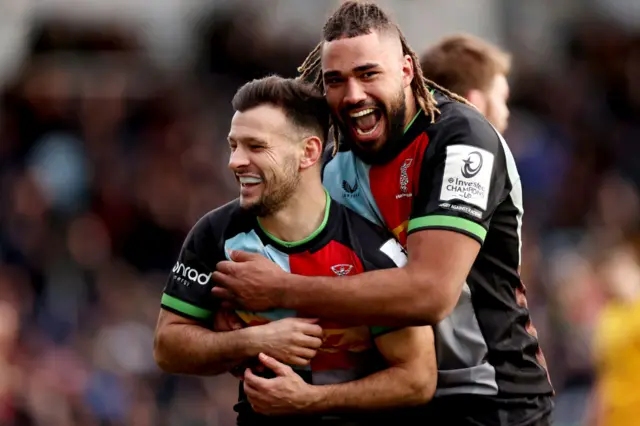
{"points": [[458, 174], [345, 244]]}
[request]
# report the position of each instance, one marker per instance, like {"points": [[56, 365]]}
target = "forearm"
{"points": [[389, 297], [190, 349], [395, 387]]}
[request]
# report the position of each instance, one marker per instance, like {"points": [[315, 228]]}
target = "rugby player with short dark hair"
{"points": [[316, 371], [422, 161]]}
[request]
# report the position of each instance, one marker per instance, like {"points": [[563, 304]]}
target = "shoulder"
{"points": [[217, 223], [461, 124]]}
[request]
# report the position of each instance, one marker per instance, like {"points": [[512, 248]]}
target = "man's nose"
{"points": [[238, 158], [355, 93]]}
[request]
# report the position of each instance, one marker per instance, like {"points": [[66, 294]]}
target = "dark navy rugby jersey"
{"points": [[345, 244], [458, 174]]}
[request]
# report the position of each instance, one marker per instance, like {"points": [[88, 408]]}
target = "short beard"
{"points": [[386, 152], [283, 189]]}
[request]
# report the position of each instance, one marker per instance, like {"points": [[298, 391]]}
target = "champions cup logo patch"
{"points": [[467, 177]]}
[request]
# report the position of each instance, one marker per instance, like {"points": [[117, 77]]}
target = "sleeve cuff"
{"points": [[185, 309], [450, 223]]}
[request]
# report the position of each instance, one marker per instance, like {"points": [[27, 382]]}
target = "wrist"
{"points": [[253, 338], [316, 400], [287, 291]]}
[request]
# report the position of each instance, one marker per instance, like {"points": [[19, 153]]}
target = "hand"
{"points": [[293, 341], [227, 320], [286, 393], [249, 279]]}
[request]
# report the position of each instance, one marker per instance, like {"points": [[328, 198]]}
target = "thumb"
{"points": [[309, 320], [276, 366], [241, 256]]}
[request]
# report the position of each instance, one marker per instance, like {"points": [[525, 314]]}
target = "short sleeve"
{"points": [[462, 178], [188, 289]]}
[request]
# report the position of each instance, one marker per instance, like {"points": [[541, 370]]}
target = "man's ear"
{"points": [[407, 71], [311, 152]]}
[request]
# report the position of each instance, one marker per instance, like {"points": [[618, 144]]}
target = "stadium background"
{"points": [[113, 118]]}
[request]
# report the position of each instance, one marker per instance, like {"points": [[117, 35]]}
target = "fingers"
{"points": [[225, 267], [276, 366], [313, 330], [309, 320], [221, 293], [305, 353], [310, 342], [253, 382], [242, 256], [227, 320], [298, 361]]}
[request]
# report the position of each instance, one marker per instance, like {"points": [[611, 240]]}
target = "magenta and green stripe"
{"points": [[185, 308], [439, 221]]}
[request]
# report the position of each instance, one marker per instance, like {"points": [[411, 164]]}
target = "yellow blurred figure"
{"points": [[617, 342]]}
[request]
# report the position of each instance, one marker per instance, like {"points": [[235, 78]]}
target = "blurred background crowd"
{"points": [[112, 144]]}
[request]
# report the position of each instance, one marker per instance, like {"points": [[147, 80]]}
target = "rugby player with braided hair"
{"points": [[413, 157]]}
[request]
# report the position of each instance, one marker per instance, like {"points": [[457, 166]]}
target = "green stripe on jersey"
{"points": [[185, 308], [439, 221]]}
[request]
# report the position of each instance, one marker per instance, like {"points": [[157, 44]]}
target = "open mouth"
{"points": [[365, 122], [249, 181]]}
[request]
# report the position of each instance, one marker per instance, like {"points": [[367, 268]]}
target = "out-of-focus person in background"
{"points": [[338, 374], [475, 69], [616, 395]]}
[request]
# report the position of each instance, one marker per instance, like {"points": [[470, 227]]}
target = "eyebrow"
{"points": [[358, 69], [246, 140]]}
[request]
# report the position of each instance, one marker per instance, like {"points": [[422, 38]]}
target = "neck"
{"points": [[301, 217], [411, 108]]}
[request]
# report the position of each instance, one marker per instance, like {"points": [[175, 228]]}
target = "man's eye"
{"points": [[332, 81], [369, 74]]}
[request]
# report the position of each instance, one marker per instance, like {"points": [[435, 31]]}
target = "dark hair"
{"points": [[463, 62], [303, 104], [353, 19]]}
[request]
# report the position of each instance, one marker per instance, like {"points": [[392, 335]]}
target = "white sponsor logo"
{"points": [[191, 274], [467, 175], [394, 250], [404, 179], [342, 269], [468, 210]]}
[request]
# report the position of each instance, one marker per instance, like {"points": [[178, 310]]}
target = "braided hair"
{"points": [[353, 19]]}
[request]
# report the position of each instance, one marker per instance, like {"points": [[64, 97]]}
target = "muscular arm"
{"points": [[184, 346], [409, 380], [423, 292]]}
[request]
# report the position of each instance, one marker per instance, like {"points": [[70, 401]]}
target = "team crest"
{"points": [[404, 179], [342, 269]]}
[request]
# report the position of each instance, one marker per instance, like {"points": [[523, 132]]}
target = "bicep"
{"points": [[167, 318], [409, 345]]}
